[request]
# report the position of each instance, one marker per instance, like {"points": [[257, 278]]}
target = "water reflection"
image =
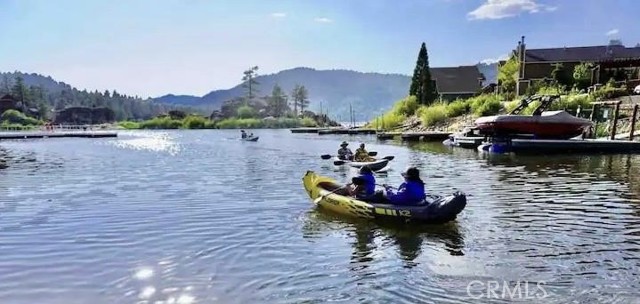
{"points": [[29, 160], [621, 168], [372, 239], [3, 159]]}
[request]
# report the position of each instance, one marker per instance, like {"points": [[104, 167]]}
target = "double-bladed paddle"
{"points": [[342, 162], [321, 197], [328, 156]]}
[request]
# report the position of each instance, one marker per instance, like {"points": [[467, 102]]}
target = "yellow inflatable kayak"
{"points": [[330, 195]]}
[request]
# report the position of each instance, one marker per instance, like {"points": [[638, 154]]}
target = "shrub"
{"points": [[433, 114], [400, 111], [129, 125], [551, 90], [17, 117], [511, 105], [161, 123], [457, 108], [572, 102], [308, 122], [407, 106], [246, 112], [194, 122], [608, 92], [486, 104]]}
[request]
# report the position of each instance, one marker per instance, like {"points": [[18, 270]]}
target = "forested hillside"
{"points": [[47, 95]]}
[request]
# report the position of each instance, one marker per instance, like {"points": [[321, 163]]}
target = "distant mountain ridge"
{"points": [[369, 94]]}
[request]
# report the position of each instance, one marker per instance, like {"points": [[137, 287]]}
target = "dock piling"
{"points": [[633, 121], [615, 120]]}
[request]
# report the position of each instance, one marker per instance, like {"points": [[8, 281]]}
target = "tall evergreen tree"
{"points": [[414, 89], [277, 102], [300, 97], [422, 86], [250, 83], [5, 86], [19, 90]]}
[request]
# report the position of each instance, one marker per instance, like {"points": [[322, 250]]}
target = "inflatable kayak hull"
{"points": [[251, 138], [374, 165], [436, 209]]}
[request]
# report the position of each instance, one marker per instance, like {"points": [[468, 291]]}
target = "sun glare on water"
{"points": [[149, 141]]}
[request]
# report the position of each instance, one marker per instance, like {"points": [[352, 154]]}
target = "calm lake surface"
{"points": [[201, 217]]}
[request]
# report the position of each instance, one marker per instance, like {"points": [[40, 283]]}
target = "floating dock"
{"points": [[346, 131], [56, 134], [415, 136], [307, 130], [468, 142], [387, 135]]}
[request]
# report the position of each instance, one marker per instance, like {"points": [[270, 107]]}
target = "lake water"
{"points": [[201, 217]]}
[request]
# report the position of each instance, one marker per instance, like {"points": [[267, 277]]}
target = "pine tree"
{"points": [[250, 83], [300, 97], [422, 86], [277, 101], [414, 89]]}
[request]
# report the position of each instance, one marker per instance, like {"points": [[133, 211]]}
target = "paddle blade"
{"points": [[318, 199], [325, 156], [373, 153], [338, 162], [389, 158]]}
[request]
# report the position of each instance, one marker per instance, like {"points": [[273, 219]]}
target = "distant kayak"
{"points": [[255, 138], [435, 209]]}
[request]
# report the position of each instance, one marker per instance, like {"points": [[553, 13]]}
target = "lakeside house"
{"points": [[457, 82], [7, 102], [613, 60]]}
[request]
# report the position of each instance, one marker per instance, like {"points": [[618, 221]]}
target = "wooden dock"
{"points": [[56, 134], [348, 131], [387, 135], [306, 130], [415, 136]]}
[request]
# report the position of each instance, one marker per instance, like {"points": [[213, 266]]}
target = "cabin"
{"points": [[609, 61], [7, 102], [457, 82]]}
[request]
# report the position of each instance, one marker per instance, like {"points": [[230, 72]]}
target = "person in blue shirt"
{"points": [[365, 184], [411, 192]]}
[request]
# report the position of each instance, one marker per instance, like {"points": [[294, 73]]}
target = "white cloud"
{"points": [[495, 60], [278, 15], [498, 9], [613, 32], [323, 20]]}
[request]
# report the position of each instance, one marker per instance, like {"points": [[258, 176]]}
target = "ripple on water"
{"points": [[199, 217]]}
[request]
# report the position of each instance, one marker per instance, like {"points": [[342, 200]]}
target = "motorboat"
{"points": [[541, 124]]}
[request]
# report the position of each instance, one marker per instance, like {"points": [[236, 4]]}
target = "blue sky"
{"points": [[155, 47]]}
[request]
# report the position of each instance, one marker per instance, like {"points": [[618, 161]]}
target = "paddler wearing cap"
{"points": [[410, 192], [345, 153]]}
